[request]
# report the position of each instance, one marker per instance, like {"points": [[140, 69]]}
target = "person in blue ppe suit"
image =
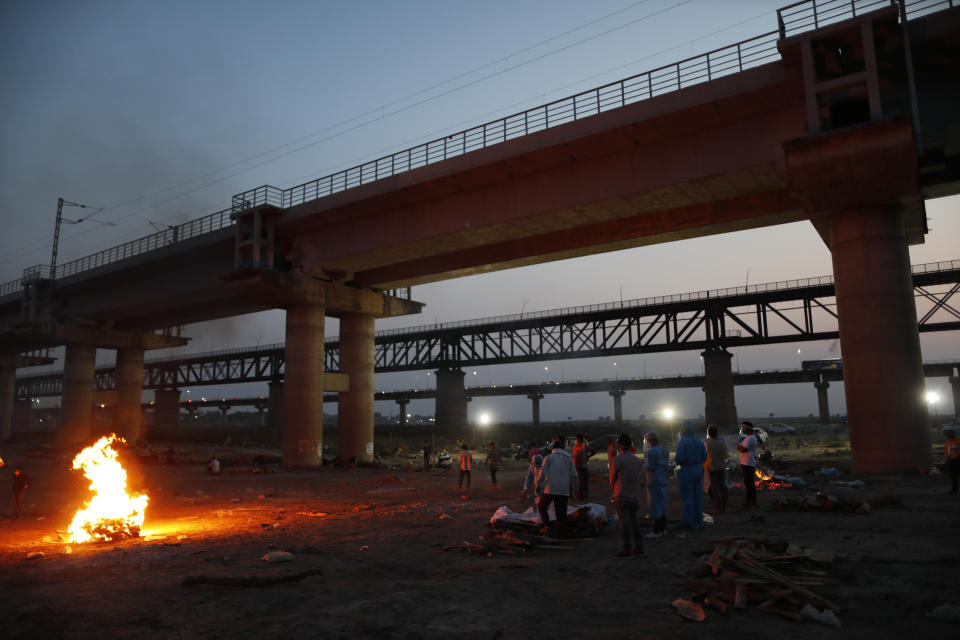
{"points": [[657, 460], [691, 454]]}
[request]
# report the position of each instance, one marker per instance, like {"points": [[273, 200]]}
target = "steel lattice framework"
{"points": [[791, 311]]}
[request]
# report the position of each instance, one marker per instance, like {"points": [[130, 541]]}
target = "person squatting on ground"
{"points": [[717, 454], [691, 454], [951, 451], [559, 477], [657, 459], [580, 459], [748, 464], [625, 472], [466, 463], [533, 482], [20, 482], [493, 462]]}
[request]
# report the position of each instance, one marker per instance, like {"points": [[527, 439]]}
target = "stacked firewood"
{"points": [[771, 576]]}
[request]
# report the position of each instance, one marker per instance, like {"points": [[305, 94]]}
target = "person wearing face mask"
{"points": [[657, 460], [691, 454]]}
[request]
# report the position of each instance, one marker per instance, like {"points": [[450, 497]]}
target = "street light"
{"points": [[932, 399]]}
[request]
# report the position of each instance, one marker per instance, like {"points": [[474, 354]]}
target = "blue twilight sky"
{"points": [[160, 111]]}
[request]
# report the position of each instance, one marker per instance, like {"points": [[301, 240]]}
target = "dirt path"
{"points": [[377, 537]]}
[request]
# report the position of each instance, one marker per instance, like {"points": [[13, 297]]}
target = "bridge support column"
{"points": [[261, 407], [8, 389], [224, 409], [535, 399], [126, 413], [955, 386], [451, 402], [403, 410], [302, 441], [882, 366], [823, 402], [166, 415], [720, 404], [617, 395], [275, 405], [76, 413], [355, 430]]}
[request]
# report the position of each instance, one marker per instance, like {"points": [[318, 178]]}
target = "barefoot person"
{"points": [[625, 472]]}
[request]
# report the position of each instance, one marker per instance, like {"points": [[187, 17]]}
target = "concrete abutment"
{"points": [[355, 421]]}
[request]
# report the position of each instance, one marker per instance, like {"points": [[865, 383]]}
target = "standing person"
{"points": [[717, 454], [426, 455], [493, 462], [691, 454], [20, 482], [748, 464], [580, 459], [951, 451], [657, 459], [559, 476], [625, 472], [534, 480], [466, 463]]}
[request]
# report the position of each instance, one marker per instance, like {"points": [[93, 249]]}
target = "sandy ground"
{"points": [[376, 535]]}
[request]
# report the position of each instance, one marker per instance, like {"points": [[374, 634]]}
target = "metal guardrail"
{"points": [[792, 19]]}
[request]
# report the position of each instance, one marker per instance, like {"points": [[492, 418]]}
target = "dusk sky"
{"points": [[160, 112]]}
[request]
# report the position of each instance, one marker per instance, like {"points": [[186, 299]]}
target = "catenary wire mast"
{"points": [[61, 203]]}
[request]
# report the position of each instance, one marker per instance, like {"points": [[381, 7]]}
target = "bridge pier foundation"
{"points": [[355, 430], [126, 413], [882, 366], [617, 395], [76, 413], [403, 410], [720, 403], [451, 401], [166, 413], [302, 441], [823, 402], [955, 387], [535, 399], [224, 409], [8, 388]]}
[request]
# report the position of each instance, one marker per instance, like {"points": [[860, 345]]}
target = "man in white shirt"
{"points": [[558, 476], [748, 464]]}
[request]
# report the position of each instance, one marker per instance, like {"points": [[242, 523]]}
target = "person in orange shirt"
{"points": [[466, 464], [951, 451]]}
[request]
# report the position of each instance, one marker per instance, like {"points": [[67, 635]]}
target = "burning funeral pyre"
{"points": [[112, 514]]}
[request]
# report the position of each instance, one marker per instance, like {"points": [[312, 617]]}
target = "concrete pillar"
{"points": [[261, 407], [355, 426], [823, 402], [23, 416], [275, 405], [720, 405], [302, 440], [617, 395], [451, 401], [166, 412], [224, 410], [882, 367], [955, 386], [403, 410], [8, 389], [76, 414], [126, 412], [535, 399]]}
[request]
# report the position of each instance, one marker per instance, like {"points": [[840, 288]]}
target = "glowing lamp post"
{"points": [[932, 399], [668, 418]]}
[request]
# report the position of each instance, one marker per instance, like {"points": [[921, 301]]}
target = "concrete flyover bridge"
{"points": [[843, 115]]}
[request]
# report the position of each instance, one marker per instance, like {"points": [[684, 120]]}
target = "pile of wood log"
{"points": [[508, 543], [772, 576], [821, 501]]}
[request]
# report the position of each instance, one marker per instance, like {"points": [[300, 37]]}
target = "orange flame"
{"points": [[111, 514]]}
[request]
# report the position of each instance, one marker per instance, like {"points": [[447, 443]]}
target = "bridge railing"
{"points": [[808, 15]]}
